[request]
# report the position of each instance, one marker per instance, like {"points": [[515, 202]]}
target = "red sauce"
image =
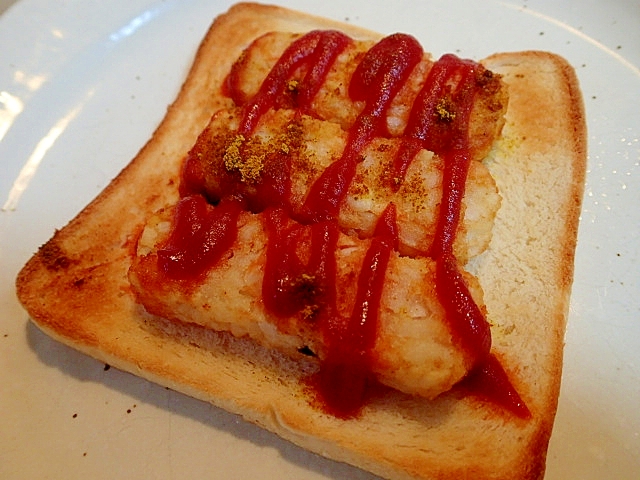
{"points": [[192, 175], [316, 50], [201, 234], [346, 371], [440, 114], [362, 327], [273, 188], [377, 79], [467, 323], [292, 283], [490, 383], [439, 121], [301, 280]]}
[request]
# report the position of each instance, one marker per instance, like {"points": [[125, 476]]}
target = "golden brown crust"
{"points": [[76, 289]]}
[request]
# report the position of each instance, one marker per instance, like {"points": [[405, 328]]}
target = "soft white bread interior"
{"points": [[75, 287]]}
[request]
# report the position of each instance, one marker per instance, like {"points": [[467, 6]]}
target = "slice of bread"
{"points": [[76, 289]]}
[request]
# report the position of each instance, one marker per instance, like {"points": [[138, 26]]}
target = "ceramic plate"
{"points": [[82, 87]]}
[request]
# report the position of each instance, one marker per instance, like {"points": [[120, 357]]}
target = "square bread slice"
{"points": [[76, 288]]}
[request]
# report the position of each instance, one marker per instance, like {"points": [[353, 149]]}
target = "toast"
{"points": [[77, 286]]}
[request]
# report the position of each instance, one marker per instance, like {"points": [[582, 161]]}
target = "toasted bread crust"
{"points": [[76, 289]]}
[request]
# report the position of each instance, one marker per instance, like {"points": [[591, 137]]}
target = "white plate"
{"points": [[82, 86]]}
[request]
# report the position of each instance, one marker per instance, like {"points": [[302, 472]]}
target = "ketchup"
{"points": [[300, 270], [317, 50], [490, 383], [440, 114], [346, 371], [291, 285], [376, 81], [200, 236], [467, 323]]}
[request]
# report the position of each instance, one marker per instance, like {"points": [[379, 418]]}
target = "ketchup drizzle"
{"points": [[290, 285], [317, 49], [376, 81], [439, 121], [490, 382], [346, 371], [362, 325], [446, 133], [440, 111], [200, 236], [468, 324]]}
